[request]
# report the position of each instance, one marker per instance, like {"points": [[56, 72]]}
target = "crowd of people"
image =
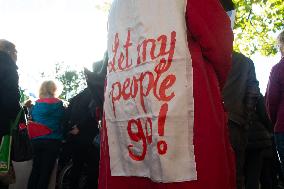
{"points": [[51, 121], [238, 133]]}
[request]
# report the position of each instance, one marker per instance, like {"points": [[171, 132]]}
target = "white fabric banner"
{"points": [[149, 97]]}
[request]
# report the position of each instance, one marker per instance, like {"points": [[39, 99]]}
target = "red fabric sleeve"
{"points": [[209, 26]]}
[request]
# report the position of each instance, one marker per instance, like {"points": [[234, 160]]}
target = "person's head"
{"points": [[9, 48], [48, 89], [280, 40]]}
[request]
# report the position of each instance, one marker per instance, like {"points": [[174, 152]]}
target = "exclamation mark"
{"points": [[162, 145]]}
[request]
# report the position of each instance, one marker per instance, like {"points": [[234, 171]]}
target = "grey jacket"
{"points": [[241, 90]]}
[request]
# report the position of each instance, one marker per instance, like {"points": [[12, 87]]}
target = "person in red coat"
{"points": [[165, 125]]}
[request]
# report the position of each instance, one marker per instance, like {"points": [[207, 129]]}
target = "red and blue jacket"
{"points": [[49, 112]]}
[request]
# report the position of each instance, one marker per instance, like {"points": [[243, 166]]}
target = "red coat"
{"points": [[210, 44]]}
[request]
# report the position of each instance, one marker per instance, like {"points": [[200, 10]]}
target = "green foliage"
{"points": [[256, 26], [104, 5], [73, 81], [23, 96]]}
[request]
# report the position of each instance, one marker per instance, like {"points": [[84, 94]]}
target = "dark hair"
{"points": [[228, 5]]}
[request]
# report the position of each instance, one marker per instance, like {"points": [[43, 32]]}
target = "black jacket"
{"points": [[9, 92], [260, 131], [241, 90], [82, 113]]}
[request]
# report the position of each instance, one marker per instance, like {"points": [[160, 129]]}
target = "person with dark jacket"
{"points": [[82, 120], [9, 93], [83, 126], [275, 101], [240, 95], [259, 140]]}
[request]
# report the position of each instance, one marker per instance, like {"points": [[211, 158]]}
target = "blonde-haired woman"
{"points": [[48, 89], [275, 101], [48, 111]]}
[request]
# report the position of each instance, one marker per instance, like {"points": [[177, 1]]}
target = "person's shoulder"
{"points": [[49, 100], [279, 65], [240, 58], [49, 104], [240, 55], [80, 95], [278, 69], [61, 103], [6, 60], [281, 62]]}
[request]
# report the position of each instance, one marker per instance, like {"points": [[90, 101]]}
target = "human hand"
{"points": [[75, 130]]}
